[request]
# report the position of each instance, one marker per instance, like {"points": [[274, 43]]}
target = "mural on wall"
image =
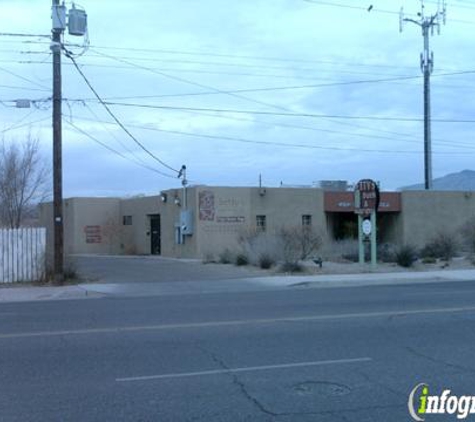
{"points": [[206, 205], [93, 234]]}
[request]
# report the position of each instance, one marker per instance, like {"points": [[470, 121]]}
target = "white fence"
{"points": [[22, 254]]}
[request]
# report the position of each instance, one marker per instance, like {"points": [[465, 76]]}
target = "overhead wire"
{"points": [[118, 122], [290, 114], [20, 126], [93, 138], [130, 151], [16, 75], [280, 144]]}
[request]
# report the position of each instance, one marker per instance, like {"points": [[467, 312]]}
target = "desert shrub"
{"points": [[468, 234], [429, 260], [265, 261], [225, 257], [406, 255], [387, 253], [208, 258], [256, 243], [241, 259], [298, 243], [442, 245], [291, 267], [346, 249]]}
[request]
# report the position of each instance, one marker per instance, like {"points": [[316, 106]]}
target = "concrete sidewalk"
{"points": [[98, 290]]}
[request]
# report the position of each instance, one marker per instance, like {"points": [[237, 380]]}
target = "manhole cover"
{"points": [[321, 388]]}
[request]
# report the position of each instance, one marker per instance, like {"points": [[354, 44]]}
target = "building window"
{"points": [[261, 222], [306, 220], [127, 220]]}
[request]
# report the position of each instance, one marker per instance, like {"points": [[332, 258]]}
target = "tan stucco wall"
{"points": [[424, 214], [285, 207], [78, 213], [222, 214], [219, 227], [235, 211], [136, 238]]}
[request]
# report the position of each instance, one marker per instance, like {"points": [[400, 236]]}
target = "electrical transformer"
{"points": [[77, 22]]}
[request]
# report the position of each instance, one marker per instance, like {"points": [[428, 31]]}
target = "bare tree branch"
{"points": [[24, 180]]}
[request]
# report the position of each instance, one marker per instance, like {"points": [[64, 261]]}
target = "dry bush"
{"points": [[299, 243], [468, 234], [226, 257], [443, 245], [341, 250], [256, 244], [406, 255]]}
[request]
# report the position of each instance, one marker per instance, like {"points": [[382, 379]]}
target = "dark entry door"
{"points": [[155, 235]]}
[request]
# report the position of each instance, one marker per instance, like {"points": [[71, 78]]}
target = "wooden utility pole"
{"points": [[57, 31]]}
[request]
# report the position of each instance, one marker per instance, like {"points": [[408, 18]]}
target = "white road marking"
{"points": [[244, 322], [245, 369]]}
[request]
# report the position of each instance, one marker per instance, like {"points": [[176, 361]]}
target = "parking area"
{"points": [[153, 269]]}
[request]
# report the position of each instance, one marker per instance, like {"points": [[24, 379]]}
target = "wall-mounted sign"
{"points": [[206, 206], [230, 219], [93, 234]]}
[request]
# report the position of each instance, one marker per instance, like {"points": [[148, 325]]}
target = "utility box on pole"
{"points": [[58, 15]]}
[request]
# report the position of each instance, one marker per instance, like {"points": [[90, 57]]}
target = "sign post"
{"points": [[366, 206]]}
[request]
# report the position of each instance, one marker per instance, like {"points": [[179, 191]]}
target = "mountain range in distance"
{"points": [[461, 181]]}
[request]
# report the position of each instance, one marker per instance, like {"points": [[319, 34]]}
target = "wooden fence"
{"points": [[22, 254]]}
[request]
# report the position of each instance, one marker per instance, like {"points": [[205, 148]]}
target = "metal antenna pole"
{"points": [[427, 65], [57, 151]]}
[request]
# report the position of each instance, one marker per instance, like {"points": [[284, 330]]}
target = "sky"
{"points": [[296, 91]]}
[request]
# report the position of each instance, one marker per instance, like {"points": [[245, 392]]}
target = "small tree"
{"points": [[23, 180]]}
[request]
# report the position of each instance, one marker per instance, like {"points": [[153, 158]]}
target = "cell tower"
{"points": [[427, 24]]}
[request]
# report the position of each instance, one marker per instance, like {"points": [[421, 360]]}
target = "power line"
{"points": [[351, 134], [373, 10], [241, 56], [288, 114], [254, 66], [19, 126], [22, 78], [279, 144], [348, 6], [114, 116], [187, 81], [130, 151], [83, 132], [282, 88], [9, 34]]}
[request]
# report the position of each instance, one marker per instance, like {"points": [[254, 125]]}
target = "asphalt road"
{"points": [[345, 354], [154, 269]]}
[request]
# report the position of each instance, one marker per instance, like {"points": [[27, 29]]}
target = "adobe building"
{"points": [[203, 220]]}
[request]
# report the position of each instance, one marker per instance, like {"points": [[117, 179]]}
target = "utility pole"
{"points": [[77, 26], [427, 24], [59, 23]]}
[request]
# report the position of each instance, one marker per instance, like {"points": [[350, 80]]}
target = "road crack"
{"points": [[438, 361], [239, 383]]}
